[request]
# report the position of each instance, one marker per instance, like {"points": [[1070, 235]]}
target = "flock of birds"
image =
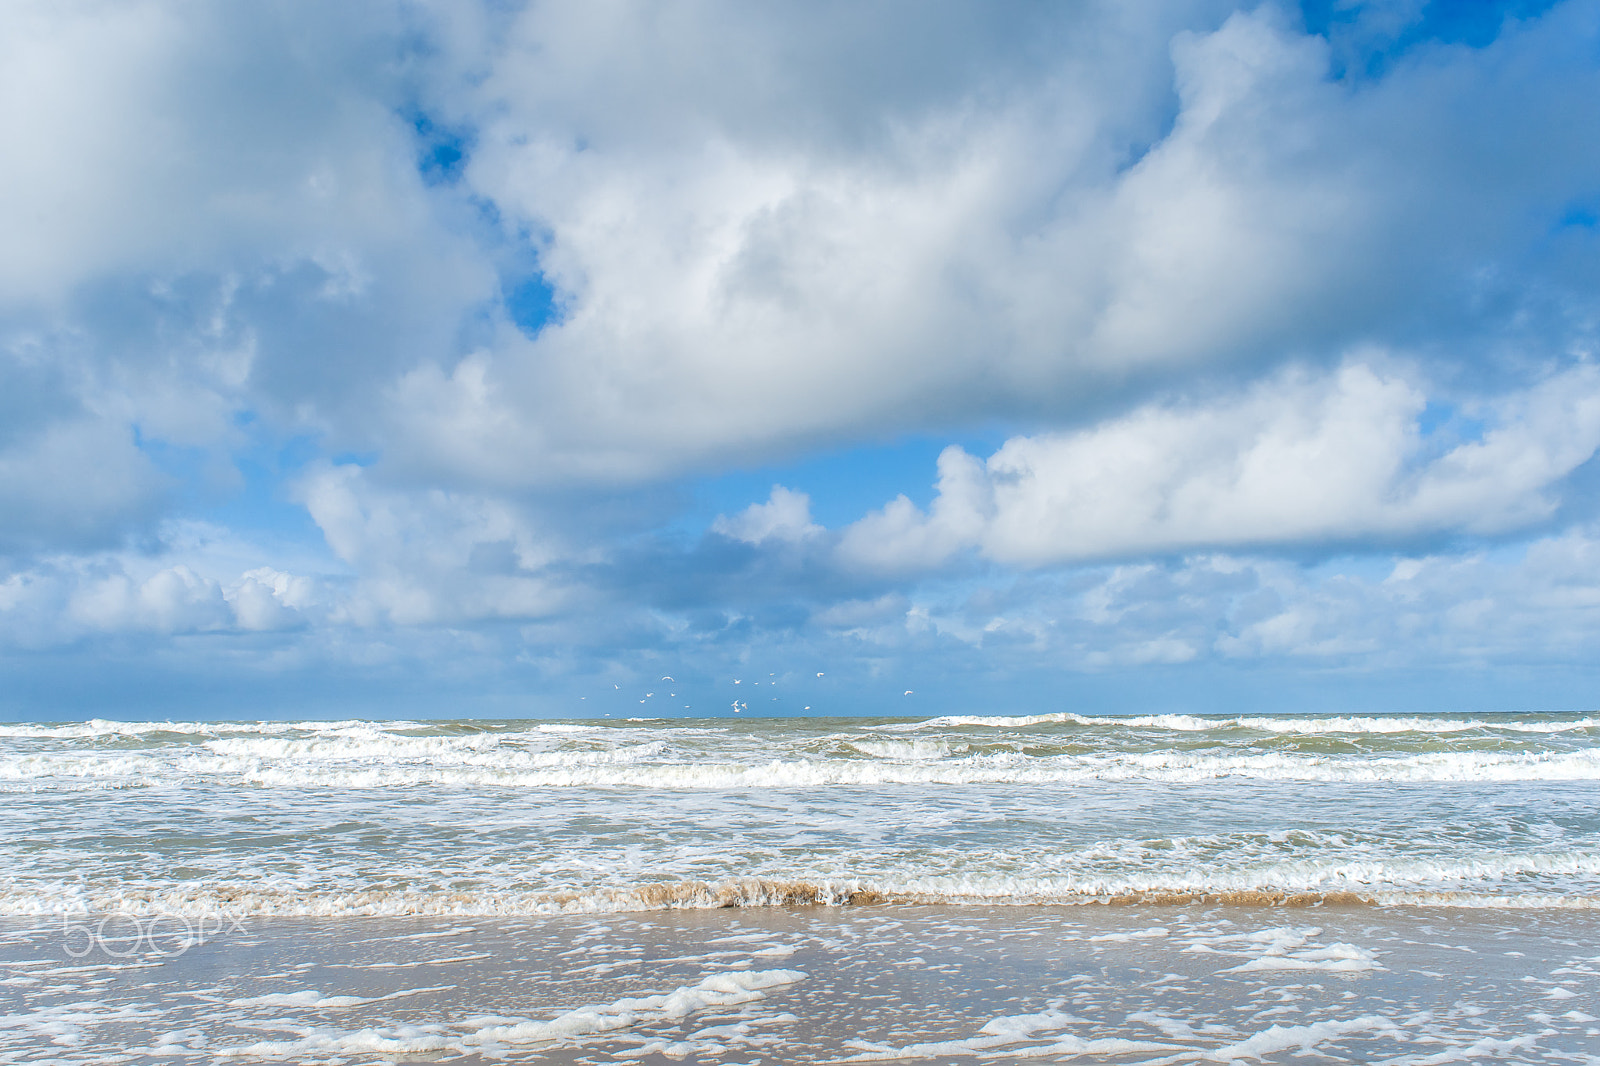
{"points": [[738, 706]]}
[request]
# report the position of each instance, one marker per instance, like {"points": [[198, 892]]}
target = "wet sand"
{"points": [[818, 984]]}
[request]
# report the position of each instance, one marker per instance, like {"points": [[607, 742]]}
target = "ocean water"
{"points": [[535, 817], [1046, 888]]}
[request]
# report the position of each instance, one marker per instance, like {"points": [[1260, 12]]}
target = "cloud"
{"points": [[1035, 236], [786, 516], [1299, 460], [432, 557], [268, 599], [66, 601], [1233, 291], [764, 233], [216, 230], [172, 600], [75, 483], [1382, 616]]}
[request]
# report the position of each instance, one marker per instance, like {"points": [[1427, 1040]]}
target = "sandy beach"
{"points": [[1143, 984]]}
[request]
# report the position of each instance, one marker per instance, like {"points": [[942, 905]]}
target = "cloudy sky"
{"points": [[438, 359]]}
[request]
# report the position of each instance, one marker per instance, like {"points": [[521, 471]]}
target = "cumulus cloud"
{"points": [[1301, 459], [267, 599], [64, 600], [432, 557], [786, 516], [291, 246], [1027, 236], [763, 231], [214, 221], [172, 600], [1404, 613]]}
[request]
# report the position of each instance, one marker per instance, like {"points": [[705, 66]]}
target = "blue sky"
{"points": [[438, 359]]}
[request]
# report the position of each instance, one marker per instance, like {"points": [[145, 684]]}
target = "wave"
{"points": [[101, 727], [506, 729], [473, 762], [919, 750], [205, 905], [1188, 723]]}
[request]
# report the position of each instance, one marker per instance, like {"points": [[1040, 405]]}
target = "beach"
{"points": [[976, 888], [824, 984]]}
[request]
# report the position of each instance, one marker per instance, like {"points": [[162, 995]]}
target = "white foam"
{"points": [[1336, 958], [1474, 882], [325, 1041], [1286, 948], [67, 1024], [1299, 1038], [480, 1036], [916, 750], [1157, 932], [315, 1000], [467, 762], [719, 990], [1018, 1034], [101, 727]]}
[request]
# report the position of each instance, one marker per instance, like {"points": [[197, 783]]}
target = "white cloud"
{"points": [[431, 557], [786, 516], [267, 599], [1301, 459], [767, 229], [190, 578], [163, 137], [773, 230], [74, 482], [992, 243], [172, 600], [1540, 605]]}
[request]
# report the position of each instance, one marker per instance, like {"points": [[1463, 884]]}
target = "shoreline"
{"points": [[752, 893]]}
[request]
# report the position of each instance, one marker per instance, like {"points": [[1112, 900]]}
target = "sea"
{"points": [[1046, 887]]}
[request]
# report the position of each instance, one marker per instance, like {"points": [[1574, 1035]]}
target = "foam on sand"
{"points": [[862, 984], [570, 1028]]}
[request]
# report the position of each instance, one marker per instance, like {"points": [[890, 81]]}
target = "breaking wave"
{"points": [[1308, 726], [484, 761], [238, 902]]}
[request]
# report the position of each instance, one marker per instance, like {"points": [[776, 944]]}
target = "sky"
{"points": [[433, 359]]}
